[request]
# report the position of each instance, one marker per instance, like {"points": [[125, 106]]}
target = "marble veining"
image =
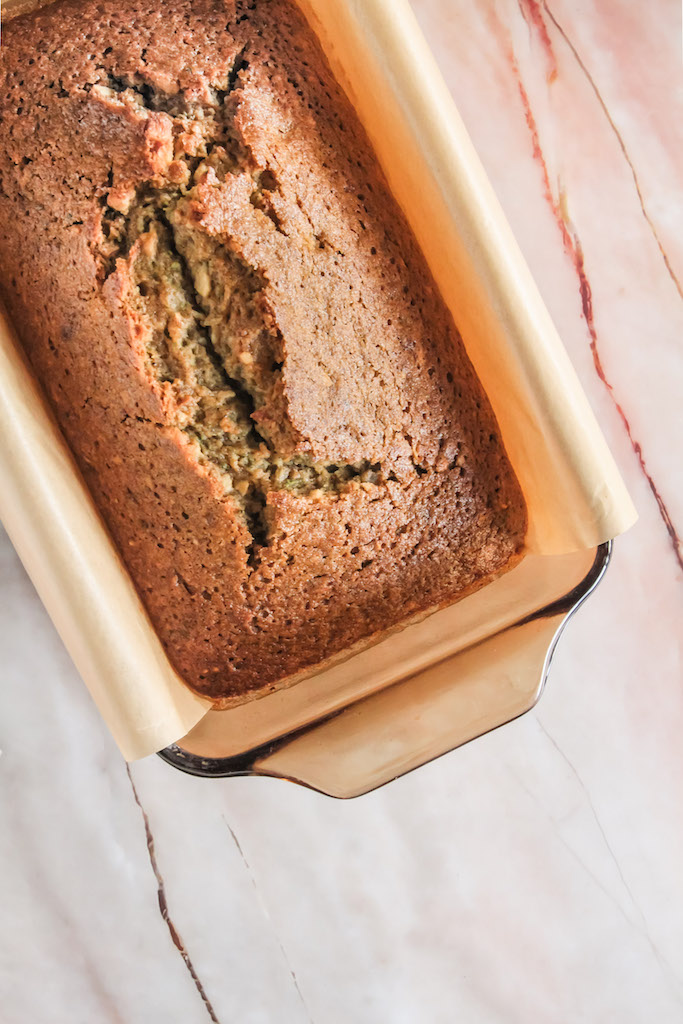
{"points": [[532, 875]]}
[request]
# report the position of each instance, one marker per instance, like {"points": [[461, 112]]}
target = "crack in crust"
{"points": [[210, 341]]}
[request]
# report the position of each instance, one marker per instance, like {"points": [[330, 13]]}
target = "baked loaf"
{"points": [[238, 335]]}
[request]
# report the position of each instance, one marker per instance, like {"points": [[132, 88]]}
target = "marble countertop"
{"points": [[534, 875]]}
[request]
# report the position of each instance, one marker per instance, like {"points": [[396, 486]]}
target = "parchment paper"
{"points": [[51, 520], [574, 492]]}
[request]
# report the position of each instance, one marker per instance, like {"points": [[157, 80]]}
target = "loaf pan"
{"points": [[380, 710]]}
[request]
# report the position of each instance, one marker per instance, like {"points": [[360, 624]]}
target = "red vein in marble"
{"points": [[574, 249], [539, 157], [163, 905], [532, 14], [587, 303], [617, 133]]}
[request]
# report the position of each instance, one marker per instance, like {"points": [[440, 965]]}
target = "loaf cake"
{"points": [[239, 337]]}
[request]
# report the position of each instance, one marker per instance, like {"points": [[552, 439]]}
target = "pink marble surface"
{"points": [[534, 875]]}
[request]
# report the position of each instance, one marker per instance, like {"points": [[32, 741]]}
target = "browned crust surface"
{"points": [[324, 466]]}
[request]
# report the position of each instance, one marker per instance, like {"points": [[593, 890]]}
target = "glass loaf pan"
{"points": [[387, 708]]}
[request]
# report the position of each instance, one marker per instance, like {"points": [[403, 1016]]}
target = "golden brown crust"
{"points": [[285, 476]]}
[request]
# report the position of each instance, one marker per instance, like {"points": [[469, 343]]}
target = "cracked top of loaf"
{"points": [[239, 336]]}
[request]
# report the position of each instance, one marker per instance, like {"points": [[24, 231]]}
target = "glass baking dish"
{"points": [[372, 729], [353, 725]]}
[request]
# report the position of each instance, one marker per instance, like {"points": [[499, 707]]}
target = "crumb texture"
{"points": [[239, 336]]}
